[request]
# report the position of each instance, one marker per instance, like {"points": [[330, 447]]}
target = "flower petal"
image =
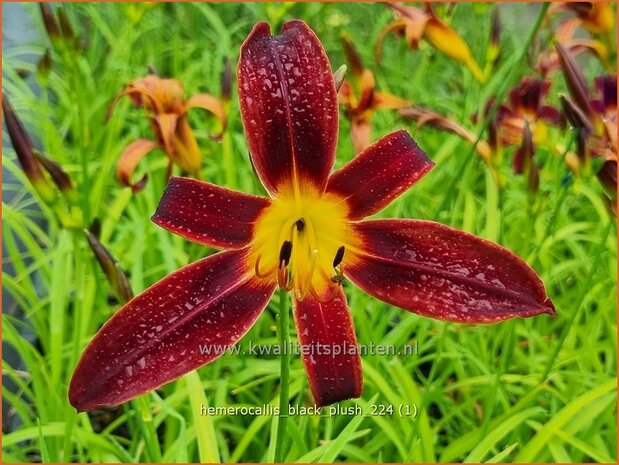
{"points": [[186, 153], [289, 106], [424, 116], [211, 104], [329, 347], [360, 133], [387, 101], [208, 214], [129, 159], [447, 41], [187, 319], [166, 124], [440, 272], [607, 88], [352, 56], [551, 115], [380, 173]]}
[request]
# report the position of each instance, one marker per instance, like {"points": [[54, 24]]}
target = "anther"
{"points": [[300, 224], [284, 254], [339, 256]]}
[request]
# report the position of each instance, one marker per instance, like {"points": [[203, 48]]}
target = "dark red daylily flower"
{"points": [[523, 120], [526, 107], [306, 238]]}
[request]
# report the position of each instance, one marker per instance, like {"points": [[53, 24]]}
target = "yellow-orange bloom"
{"points": [[596, 17], [166, 108], [548, 61], [360, 98], [417, 24]]}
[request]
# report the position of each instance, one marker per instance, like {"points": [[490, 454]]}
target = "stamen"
{"points": [[283, 279], [257, 269], [339, 256], [300, 224], [284, 254]]}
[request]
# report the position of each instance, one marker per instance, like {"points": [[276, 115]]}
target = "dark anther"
{"points": [[300, 224], [284, 254], [337, 279], [339, 256]]}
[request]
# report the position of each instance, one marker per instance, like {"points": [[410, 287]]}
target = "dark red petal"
{"points": [[607, 88], [288, 105], [529, 93], [551, 115], [329, 348], [180, 323], [440, 272], [208, 214], [380, 173]]}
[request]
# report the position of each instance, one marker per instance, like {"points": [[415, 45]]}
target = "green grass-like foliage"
{"points": [[541, 389]]}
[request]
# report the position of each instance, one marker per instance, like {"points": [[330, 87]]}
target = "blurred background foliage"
{"points": [[541, 389]]}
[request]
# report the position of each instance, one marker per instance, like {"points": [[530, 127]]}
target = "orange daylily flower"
{"points": [[166, 108], [361, 100], [596, 17], [417, 24], [548, 60]]}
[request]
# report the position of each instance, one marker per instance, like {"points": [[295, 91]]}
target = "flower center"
{"points": [[301, 241]]}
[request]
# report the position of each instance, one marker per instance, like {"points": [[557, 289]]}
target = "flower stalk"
{"points": [[284, 389]]}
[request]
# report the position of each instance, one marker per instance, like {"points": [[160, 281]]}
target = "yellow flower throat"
{"points": [[301, 241]]}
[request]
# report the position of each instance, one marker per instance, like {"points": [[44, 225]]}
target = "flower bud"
{"points": [[113, 272], [25, 153]]}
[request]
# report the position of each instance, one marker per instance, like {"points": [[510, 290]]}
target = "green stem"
{"points": [[228, 156], [284, 342]]}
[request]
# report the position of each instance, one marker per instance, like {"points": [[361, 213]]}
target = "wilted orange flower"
{"points": [[361, 100], [166, 108], [417, 24], [548, 60], [426, 117], [596, 17]]}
